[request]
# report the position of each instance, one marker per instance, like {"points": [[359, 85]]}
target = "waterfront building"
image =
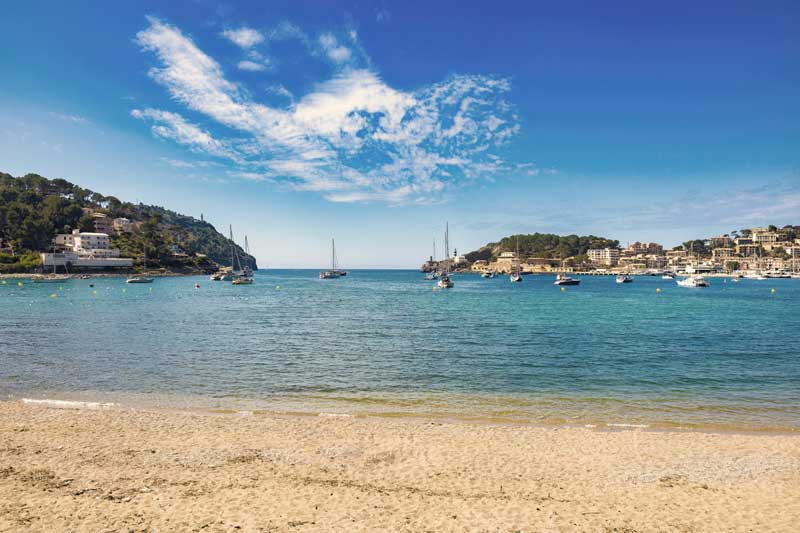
{"points": [[84, 250], [604, 256]]}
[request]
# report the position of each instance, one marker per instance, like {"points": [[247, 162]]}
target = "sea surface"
{"points": [[388, 343]]}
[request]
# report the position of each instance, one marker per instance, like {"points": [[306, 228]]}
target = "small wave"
{"points": [[337, 415], [67, 404], [628, 425]]}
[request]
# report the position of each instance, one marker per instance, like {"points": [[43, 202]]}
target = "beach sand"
{"points": [[135, 470]]}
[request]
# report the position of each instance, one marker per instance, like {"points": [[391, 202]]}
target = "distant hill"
{"points": [[33, 209], [542, 245]]}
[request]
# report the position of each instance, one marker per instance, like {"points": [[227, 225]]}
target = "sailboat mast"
{"points": [[447, 247]]}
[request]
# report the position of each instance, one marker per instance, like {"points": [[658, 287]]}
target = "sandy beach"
{"points": [[133, 470]]}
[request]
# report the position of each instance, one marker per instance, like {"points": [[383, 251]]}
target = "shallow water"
{"points": [[385, 342]]}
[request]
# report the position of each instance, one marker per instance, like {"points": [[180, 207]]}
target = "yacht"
{"points": [[624, 279], [444, 279], [756, 276], [561, 279], [242, 280], [333, 273], [693, 281]]}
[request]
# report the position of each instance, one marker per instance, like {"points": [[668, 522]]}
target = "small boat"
{"points": [[489, 275], [431, 275], [624, 279], [668, 276], [757, 276], [445, 282], [333, 273], [86, 276], [139, 279], [693, 281], [444, 278], [515, 276], [561, 279], [242, 280]]}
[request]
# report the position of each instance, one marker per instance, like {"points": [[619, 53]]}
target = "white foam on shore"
{"points": [[341, 415], [68, 404], [628, 425]]}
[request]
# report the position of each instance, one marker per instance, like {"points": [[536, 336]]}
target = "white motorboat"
{"points": [[624, 279], [693, 281], [489, 275], [668, 276], [561, 279]]}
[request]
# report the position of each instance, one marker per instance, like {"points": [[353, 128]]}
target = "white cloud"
{"points": [[330, 45], [244, 37], [251, 66], [353, 137]]}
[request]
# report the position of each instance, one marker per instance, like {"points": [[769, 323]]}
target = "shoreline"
{"points": [[305, 408], [67, 469]]}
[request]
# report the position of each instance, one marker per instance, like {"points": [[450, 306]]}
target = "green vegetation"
{"points": [[545, 245], [33, 209]]}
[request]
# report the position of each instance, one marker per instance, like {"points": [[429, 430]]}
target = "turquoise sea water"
{"points": [[386, 342]]}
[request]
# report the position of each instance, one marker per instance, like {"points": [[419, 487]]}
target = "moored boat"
{"points": [[444, 279], [561, 279], [693, 281], [624, 279], [333, 273]]}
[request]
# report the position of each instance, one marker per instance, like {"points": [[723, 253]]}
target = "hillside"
{"points": [[542, 245], [33, 209]]}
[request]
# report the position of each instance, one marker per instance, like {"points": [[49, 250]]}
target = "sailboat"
{"points": [[333, 272], [244, 276], [141, 278], [515, 276], [444, 280]]}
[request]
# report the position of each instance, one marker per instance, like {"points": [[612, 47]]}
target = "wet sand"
{"points": [[138, 470]]}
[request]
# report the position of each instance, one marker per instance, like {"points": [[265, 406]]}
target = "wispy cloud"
{"points": [[75, 119], [353, 138]]}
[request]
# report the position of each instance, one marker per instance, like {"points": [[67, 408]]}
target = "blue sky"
{"points": [[375, 122]]}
